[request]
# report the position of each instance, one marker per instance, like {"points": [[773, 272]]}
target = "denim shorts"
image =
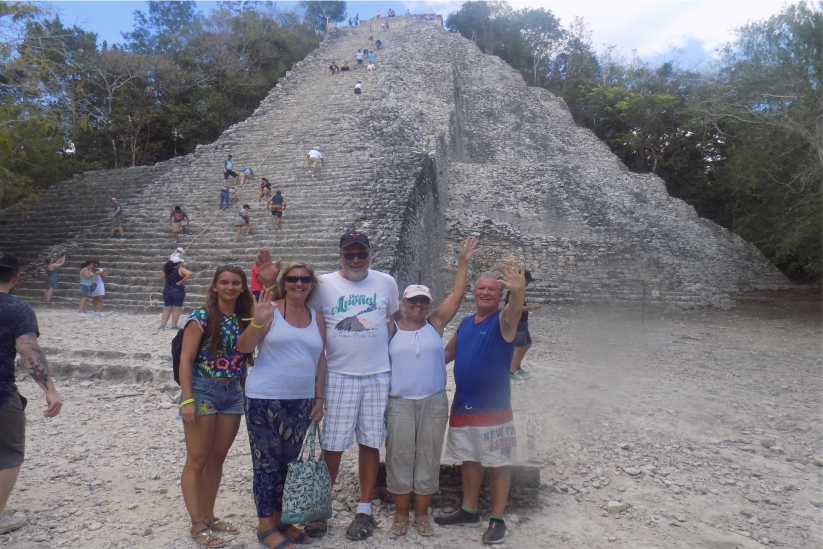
{"points": [[212, 396], [173, 298], [85, 291]]}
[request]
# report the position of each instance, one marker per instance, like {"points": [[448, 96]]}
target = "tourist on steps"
{"points": [[243, 220], [379, 44], [277, 204], [523, 340], [418, 408], [245, 175], [211, 401], [265, 189], [18, 334], [179, 220], [224, 197], [370, 68], [345, 67], [481, 411], [51, 276], [359, 58], [333, 68], [227, 169], [285, 391], [116, 218], [315, 157], [358, 91], [99, 289], [87, 273], [174, 291]]}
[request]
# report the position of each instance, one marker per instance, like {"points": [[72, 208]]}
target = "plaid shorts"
{"points": [[355, 404]]}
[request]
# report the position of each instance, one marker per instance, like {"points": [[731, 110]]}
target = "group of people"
{"points": [[343, 349], [340, 349]]}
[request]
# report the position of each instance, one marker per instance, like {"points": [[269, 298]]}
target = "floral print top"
{"points": [[229, 362]]}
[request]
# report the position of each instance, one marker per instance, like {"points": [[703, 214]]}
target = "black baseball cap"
{"points": [[10, 262], [354, 238]]}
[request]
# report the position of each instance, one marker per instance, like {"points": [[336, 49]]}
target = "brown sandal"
{"points": [[228, 529], [424, 527], [399, 528], [211, 540]]}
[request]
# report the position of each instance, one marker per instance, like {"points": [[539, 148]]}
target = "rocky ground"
{"points": [[690, 430]]}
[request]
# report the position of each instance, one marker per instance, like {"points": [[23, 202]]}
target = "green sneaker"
{"points": [[520, 375]]}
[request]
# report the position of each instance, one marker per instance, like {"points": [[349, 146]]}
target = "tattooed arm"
{"points": [[35, 362]]}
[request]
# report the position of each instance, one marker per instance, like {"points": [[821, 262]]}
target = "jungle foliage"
{"points": [[741, 141]]}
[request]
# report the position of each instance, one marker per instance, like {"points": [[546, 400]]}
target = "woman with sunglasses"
{"points": [[212, 371], [284, 392], [418, 407]]}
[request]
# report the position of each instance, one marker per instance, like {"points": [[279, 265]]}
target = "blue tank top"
{"points": [[481, 364], [277, 199], [172, 278]]}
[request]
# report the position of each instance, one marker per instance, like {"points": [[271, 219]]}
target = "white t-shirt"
{"points": [[314, 153], [357, 338], [101, 286]]}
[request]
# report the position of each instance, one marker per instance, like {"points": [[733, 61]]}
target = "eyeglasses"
{"points": [[421, 299], [296, 279], [358, 255]]}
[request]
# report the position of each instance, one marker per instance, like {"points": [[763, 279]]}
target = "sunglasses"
{"points": [[421, 299], [296, 279], [359, 255]]}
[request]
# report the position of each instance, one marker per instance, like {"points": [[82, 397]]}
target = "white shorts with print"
{"points": [[355, 404]]}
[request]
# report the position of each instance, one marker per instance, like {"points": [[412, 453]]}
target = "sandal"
{"points": [[399, 528], [361, 527], [210, 539], [229, 528], [424, 527], [300, 539], [276, 530]]}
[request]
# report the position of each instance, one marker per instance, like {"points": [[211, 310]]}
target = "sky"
{"points": [[651, 28]]}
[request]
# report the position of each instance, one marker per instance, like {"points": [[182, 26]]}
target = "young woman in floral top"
{"points": [[211, 375]]}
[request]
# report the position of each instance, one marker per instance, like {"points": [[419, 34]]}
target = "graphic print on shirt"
{"points": [[358, 322]]}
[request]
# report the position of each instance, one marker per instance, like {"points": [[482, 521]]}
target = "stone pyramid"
{"points": [[445, 142]]}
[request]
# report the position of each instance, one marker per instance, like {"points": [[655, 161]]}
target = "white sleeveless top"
{"points": [[418, 363], [286, 361]]}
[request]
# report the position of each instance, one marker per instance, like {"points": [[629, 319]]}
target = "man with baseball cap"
{"points": [[357, 303], [18, 333]]}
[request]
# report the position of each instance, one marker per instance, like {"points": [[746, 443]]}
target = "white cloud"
{"points": [[651, 27]]}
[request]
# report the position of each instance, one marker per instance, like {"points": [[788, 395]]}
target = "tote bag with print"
{"points": [[307, 491]]}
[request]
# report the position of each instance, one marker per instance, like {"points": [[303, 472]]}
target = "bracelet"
{"points": [[320, 398], [272, 287], [189, 401], [253, 325]]}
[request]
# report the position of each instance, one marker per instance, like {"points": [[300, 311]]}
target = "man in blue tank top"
{"points": [[481, 427]]}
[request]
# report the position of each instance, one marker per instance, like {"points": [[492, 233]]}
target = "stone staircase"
{"points": [[444, 143]]}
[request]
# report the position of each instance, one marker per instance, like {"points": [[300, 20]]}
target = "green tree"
{"points": [[319, 14]]}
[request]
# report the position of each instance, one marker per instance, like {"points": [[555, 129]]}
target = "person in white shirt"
{"points": [[314, 156], [242, 221], [418, 408], [357, 303]]}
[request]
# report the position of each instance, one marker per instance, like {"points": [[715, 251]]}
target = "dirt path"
{"points": [[698, 430]]}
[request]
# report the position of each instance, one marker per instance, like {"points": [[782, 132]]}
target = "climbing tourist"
{"points": [[178, 252], [371, 57], [356, 303], [314, 156], [18, 334], [371, 40], [116, 218], [408, 11], [265, 189], [174, 291], [370, 68], [359, 58], [285, 392], [99, 289], [51, 276], [224, 197], [482, 351], [356, 19], [358, 90], [211, 401], [345, 67], [242, 220], [86, 285], [245, 174], [523, 340], [179, 220], [378, 15], [227, 169], [418, 408], [277, 205], [379, 44]]}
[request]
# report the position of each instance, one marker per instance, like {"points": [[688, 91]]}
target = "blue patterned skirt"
{"points": [[276, 430]]}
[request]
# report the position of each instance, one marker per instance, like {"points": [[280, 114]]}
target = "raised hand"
{"points": [[264, 308], [467, 249], [267, 271], [514, 277]]}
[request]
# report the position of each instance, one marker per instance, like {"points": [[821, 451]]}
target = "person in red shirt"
{"points": [[255, 284]]}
